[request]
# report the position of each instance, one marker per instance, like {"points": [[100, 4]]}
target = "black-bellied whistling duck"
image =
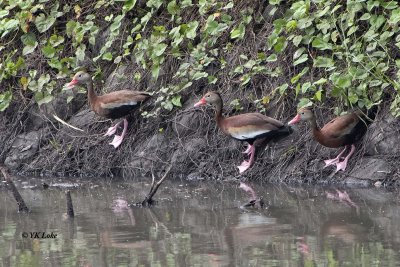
{"points": [[113, 105], [344, 131], [245, 127]]}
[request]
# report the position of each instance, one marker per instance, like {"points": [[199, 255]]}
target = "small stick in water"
{"points": [[148, 201], [70, 207], [11, 186]]}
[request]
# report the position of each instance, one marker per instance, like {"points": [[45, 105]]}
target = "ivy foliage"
{"points": [[340, 50], [351, 47]]}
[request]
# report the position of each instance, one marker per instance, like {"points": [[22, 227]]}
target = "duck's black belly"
{"points": [[117, 112]]}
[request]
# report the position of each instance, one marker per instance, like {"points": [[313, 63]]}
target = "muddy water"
{"points": [[200, 224]]}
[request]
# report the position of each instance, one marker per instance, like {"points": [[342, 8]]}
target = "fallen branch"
{"points": [[66, 123], [148, 201], [11, 186]]}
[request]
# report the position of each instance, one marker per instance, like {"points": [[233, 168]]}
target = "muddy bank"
{"points": [[189, 140]]}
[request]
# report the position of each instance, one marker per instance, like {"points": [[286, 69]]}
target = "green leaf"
{"points": [[395, 16], [176, 101], [341, 81], [30, 43], [275, 2], [304, 102], [366, 16], [191, 31], [5, 100], [352, 97], [214, 28], [129, 4], [352, 30], [375, 83], [300, 9], [48, 51], [271, 40], [250, 64], [279, 25], [271, 58], [245, 79], [303, 58], [200, 74], [212, 79], [3, 13], [298, 52], [55, 40], [173, 8], [323, 62], [107, 56], [296, 78], [321, 44], [44, 23], [377, 21], [115, 26], [280, 44], [228, 6], [43, 98], [297, 40], [318, 95], [305, 87], [238, 32], [186, 3], [282, 88], [390, 4], [155, 70], [320, 81], [80, 52], [358, 58], [291, 25], [159, 49], [8, 25]]}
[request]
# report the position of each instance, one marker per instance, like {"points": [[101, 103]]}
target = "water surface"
{"points": [[200, 224]]}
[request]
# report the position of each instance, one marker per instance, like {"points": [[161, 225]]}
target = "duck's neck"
{"points": [[91, 93], [218, 113], [316, 131]]}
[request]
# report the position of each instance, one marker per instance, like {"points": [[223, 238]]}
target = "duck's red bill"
{"points": [[72, 83], [201, 102], [295, 119]]}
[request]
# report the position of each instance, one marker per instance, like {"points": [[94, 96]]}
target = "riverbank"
{"points": [[262, 57], [189, 140]]}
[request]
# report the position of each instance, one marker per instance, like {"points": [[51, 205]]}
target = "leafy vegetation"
{"points": [[349, 47], [340, 51]]}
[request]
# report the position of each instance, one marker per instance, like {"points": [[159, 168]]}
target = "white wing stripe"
{"points": [[244, 136], [119, 104]]}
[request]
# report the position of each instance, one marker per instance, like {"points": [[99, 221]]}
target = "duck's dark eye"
{"points": [[80, 75], [302, 113], [207, 96]]}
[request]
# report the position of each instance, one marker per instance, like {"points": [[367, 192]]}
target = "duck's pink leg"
{"points": [[118, 138], [112, 129], [342, 165], [335, 160], [246, 164], [247, 151]]}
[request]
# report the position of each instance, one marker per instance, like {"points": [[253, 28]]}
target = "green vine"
{"points": [[339, 50]]}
